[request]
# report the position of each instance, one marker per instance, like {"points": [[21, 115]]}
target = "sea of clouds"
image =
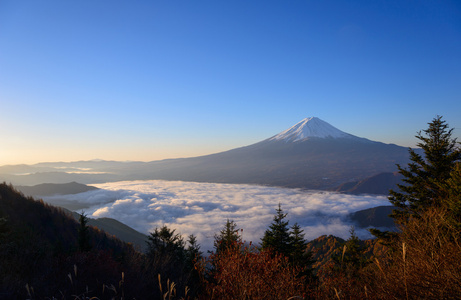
{"points": [[202, 208]]}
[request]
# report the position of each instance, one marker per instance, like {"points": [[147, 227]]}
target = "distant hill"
{"points": [[118, 230], [374, 217], [379, 184], [56, 176], [121, 231], [51, 189]]}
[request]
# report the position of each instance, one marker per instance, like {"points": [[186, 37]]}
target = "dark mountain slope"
{"points": [[379, 184], [50, 189], [38, 247], [374, 217], [118, 230]]}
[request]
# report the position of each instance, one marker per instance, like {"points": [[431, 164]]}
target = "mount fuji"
{"points": [[310, 128], [311, 154]]}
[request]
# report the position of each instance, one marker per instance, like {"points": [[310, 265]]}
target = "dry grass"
{"points": [[427, 263]]}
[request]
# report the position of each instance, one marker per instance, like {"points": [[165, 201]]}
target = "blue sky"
{"points": [[147, 80]]}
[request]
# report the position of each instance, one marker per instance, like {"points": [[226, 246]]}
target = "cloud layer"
{"points": [[202, 208]]}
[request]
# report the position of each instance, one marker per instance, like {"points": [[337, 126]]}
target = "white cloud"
{"points": [[202, 208]]}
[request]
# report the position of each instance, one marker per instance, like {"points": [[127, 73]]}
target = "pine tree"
{"points": [[298, 242], [193, 252], [277, 237], [193, 260], [299, 255], [352, 258], [164, 242], [167, 255], [83, 234], [451, 196], [425, 174], [227, 237]]}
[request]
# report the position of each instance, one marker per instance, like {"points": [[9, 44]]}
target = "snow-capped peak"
{"points": [[308, 128]]}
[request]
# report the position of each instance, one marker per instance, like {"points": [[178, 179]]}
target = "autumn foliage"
{"points": [[425, 263], [243, 272]]}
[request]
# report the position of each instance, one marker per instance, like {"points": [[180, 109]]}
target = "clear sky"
{"points": [[147, 80]]}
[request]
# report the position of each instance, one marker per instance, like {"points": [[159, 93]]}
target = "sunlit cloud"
{"points": [[202, 208]]}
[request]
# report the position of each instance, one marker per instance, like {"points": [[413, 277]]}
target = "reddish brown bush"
{"points": [[335, 283], [246, 273]]}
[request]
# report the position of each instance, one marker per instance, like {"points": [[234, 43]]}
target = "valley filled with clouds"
{"points": [[202, 208]]}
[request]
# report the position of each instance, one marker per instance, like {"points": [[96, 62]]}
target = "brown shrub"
{"points": [[337, 284], [426, 263], [246, 273]]}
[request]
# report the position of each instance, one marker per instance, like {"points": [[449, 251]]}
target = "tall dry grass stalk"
{"points": [[30, 291], [344, 252], [170, 292], [336, 291], [404, 252]]}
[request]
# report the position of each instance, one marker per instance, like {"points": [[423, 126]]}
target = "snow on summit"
{"points": [[308, 128]]}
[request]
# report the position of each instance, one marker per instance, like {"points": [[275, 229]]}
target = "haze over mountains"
{"points": [[311, 154]]}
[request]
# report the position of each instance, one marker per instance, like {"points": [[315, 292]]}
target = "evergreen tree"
{"points": [[193, 252], [193, 259], [451, 196], [299, 255], [168, 256], [4, 229], [298, 243], [425, 174], [352, 259], [164, 242], [83, 234], [277, 237], [227, 237]]}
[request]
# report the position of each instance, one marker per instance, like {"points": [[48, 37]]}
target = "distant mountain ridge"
{"points": [[50, 189], [311, 154]]}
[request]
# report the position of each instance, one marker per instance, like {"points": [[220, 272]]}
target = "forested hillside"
{"points": [[40, 244], [46, 253]]}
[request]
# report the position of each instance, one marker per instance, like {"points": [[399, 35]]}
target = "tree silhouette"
{"points": [[83, 233], [227, 237], [299, 255], [277, 237], [425, 174], [164, 242]]}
